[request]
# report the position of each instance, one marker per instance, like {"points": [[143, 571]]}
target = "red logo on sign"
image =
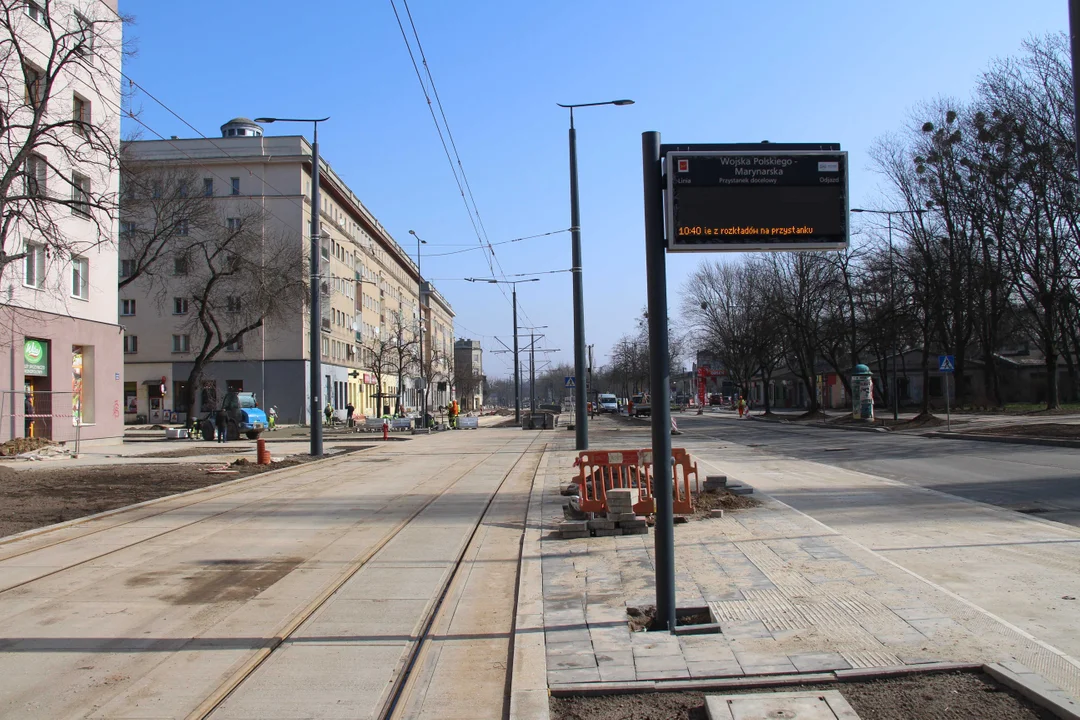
{"points": [[684, 165]]}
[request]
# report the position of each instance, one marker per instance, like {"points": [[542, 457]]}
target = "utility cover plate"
{"points": [[826, 705]]}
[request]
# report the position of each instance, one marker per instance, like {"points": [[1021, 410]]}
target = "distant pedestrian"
{"points": [[349, 409], [222, 423], [328, 411], [742, 406]]}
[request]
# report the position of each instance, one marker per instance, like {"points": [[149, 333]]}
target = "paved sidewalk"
{"points": [[791, 594]]}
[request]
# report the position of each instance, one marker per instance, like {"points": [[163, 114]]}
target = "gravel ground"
{"points": [[945, 696], [706, 501], [42, 496]]}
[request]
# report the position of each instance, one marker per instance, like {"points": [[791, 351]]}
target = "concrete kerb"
{"points": [[828, 426], [1015, 439], [1035, 688], [257, 477], [528, 679], [749, 682]]}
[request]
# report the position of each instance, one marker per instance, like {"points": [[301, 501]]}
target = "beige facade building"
{"points": [[370, 292], [61, 372]]}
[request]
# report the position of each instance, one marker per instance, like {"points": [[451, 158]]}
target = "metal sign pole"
{"points": [[659, 377], [948, 413]]}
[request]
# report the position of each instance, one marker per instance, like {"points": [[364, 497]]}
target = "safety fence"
{"points": [[603, 470], [52, 415]]}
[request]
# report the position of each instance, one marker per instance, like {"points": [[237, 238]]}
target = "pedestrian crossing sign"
{"points": [[946, 363], [569, 382]]}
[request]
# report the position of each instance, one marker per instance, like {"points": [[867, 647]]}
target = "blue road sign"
{"points": [[569, 382], [946, 363]]}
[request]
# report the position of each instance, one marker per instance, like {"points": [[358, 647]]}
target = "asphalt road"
{"points": [[1041, 481]]}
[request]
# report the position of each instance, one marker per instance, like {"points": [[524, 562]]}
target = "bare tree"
{"points": [[58, 153], [163, 207]]}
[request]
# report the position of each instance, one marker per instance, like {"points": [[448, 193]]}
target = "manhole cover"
{"points": [[827, 705], [1033, 511], [835, 449], [755, 445]]}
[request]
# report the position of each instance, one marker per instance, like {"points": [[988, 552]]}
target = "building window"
{"points": [[208, 186], [181, 343], [127, 268], [182, 228], [35, 86], [232, 304], [80, 277], [80, 194], [36, 13], [233, 224], [235, 190], [36, 175], [236, 345], [179, 306], [80, 115], [182, 189], [180, 265], [84, 36], [131, 344], [34, 265], [127, 228], [127, 308]]}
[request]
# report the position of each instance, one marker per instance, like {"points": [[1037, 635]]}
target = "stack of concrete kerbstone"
{"points": [[621, 518], [719, 483]]}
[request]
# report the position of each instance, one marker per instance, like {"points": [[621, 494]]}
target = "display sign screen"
{"points": [[756, 200]]}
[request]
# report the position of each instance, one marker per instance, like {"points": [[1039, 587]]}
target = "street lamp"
{"points": [[894, 386], [315, 320], [420, 313], [581, 417], [517, 368]]}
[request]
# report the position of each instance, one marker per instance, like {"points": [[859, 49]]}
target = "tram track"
{"points": [[393, 699]]}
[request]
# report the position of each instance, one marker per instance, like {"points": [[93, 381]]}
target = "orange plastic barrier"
{"points": [[602, 470]]}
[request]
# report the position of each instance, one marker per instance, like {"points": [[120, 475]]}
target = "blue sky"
{"points": [[699, 71]]}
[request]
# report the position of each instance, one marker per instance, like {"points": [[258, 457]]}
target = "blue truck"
{"points": [[243, 416]]}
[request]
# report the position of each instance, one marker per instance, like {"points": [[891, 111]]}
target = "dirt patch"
{"points": [[943, 696], [644, 618], [17, 446], [42, 496], [196, 451], [1060, 431], [706, 501]]}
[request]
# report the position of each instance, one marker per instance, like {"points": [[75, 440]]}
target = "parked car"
{"points": [[716, 399], [607, 403]]}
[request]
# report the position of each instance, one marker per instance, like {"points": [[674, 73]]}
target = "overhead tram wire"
{"points": [[473, 248], [462, 180]]}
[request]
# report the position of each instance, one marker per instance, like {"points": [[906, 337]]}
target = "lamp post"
{"points": [[581, 418], [420, 313], [517, 367], [894, 385], [315, 320]]}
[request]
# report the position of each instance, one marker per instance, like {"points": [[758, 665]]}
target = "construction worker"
{"points": [[742, 405], [451, 414]]}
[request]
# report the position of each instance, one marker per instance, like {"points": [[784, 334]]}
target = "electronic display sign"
{"points": [[756, 200]]}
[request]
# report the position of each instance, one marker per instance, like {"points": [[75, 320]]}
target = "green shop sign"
{"points": [[36, 357]]}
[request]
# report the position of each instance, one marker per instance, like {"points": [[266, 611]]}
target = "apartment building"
{"points": [[61, 374], [370, 287], [469, 373]]}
